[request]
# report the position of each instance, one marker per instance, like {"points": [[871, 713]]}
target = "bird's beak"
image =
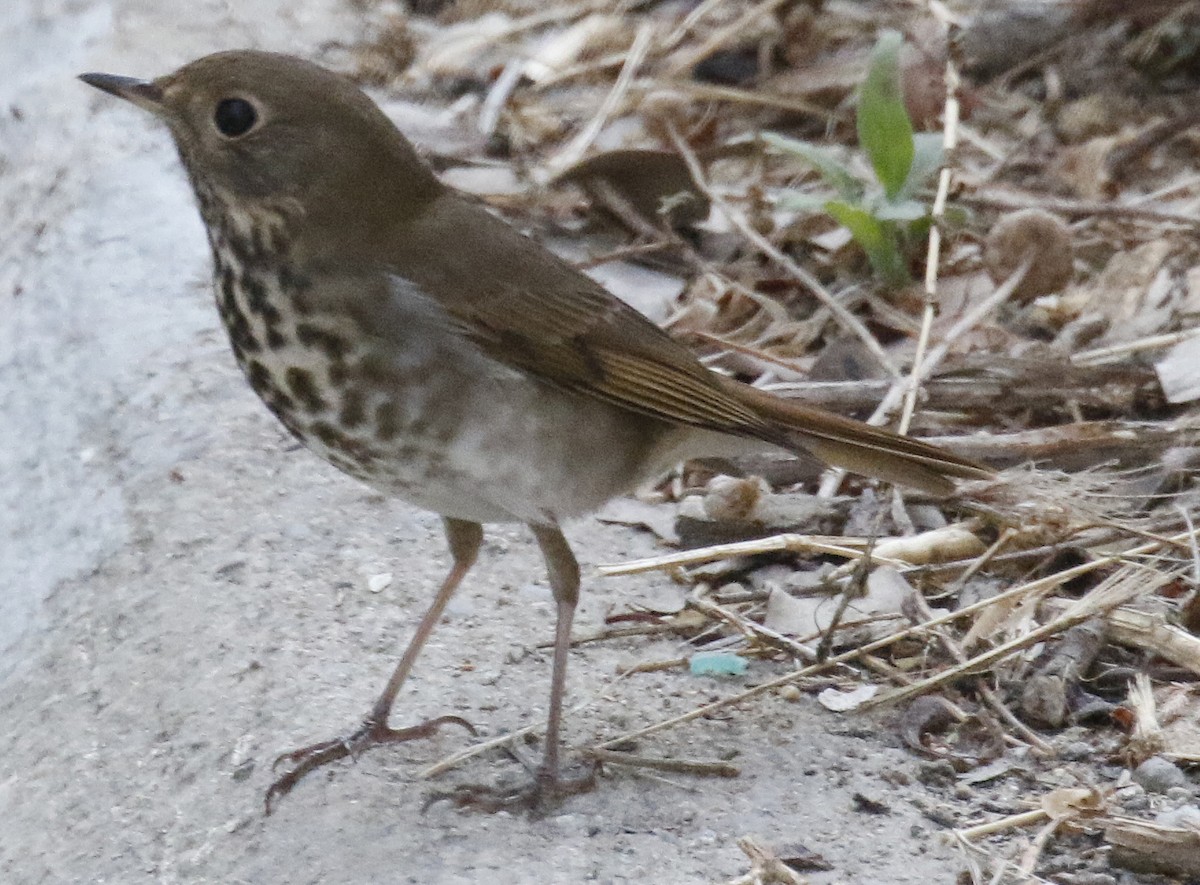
{"points": [[144, 94]]}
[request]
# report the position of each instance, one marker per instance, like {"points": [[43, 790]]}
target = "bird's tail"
{"points": [[861, 448]]}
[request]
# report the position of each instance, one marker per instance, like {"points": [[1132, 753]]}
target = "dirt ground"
{"points": [[185, 593]]}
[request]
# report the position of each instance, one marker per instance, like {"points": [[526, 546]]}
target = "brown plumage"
{"points": [[416, 341]]}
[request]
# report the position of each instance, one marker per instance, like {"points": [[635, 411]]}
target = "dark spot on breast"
{"points": [[226, 285], [354, 408], [256, 293], [304, 388], [387, 422], [276, 339], [295, 282], [333, 346], [260, 241], [240, 333], [282, 405], [260, 379], [338, 374], [329, 435]]}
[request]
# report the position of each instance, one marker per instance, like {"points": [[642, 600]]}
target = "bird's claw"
{"points": [[369, 734], [535, 796]]}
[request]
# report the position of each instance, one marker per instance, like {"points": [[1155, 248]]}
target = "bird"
{"points": [[419, 343]]}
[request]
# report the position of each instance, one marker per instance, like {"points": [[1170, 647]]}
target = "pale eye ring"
{"points": [[234, 117]]}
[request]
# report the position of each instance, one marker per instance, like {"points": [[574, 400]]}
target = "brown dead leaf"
{"points": [[656, 184]]}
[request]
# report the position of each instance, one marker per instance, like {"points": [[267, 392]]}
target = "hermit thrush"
{"points": [[407, 335]]}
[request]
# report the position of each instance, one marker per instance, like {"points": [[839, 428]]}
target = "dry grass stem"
{"points": [[1001, 825], [950, 115], [1130, 581], [847, 548]]}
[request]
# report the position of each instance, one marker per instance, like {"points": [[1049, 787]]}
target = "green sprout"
{"points": [[883, 216]]}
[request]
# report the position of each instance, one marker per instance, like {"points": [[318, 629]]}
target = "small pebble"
{"points": [[1157, 775], [1186, 817], [377, 583], [1139, 802], [937, 774], [1077, 751], [790, 693]]}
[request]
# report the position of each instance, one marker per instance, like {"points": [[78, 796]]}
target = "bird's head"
{"points": [[259, 126]]}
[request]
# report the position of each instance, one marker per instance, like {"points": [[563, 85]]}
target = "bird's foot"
{"points": [[369, 734], [535, 795]]}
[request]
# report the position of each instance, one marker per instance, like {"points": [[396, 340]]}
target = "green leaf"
{"points": [[836, 174], [884, 130], [878, 239], [794, 201], [867, 231], [903, 210], [927, 160]]}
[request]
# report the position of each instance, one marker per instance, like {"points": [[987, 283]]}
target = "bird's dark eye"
{"points": [[234, 117]]}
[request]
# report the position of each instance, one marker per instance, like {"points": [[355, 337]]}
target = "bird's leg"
{"points": [[464, 539], [548, 783]]}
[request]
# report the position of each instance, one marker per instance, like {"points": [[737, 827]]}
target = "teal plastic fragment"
{"points": [[717, 663]]}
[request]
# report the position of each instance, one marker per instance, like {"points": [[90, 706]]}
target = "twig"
{"points": [[852, 654], [1076, 208], [1191, 530], [1146, 631], [1013, 821], [1114, 591], [933, 256], [448, 762], [1100, 355], [1034, 851], [677, 766], [689, 21], [753, 629], [1035, 586], [499, 94], [444, 765], [1152, 136], [985, 691], [765, 867], [855, 587]]}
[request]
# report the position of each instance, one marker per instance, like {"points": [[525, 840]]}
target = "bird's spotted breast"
{"points": [[400, 399], [296, 360]]}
